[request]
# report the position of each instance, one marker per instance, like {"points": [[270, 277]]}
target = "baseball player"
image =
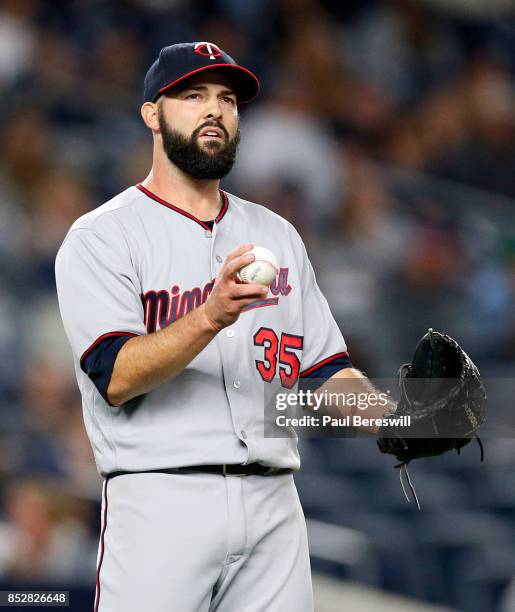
{"points": [[171, 353]]}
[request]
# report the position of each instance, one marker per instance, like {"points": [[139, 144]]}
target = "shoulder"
{"points": [[106, 220], [117, 207]]}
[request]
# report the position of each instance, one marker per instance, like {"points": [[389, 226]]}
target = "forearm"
{"points": [[357, 383], [145, 362]]}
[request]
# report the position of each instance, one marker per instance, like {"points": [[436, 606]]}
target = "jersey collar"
{"points": [[219, 217]]}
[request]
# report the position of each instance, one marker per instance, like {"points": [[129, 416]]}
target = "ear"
{"points": [[150, 116]]}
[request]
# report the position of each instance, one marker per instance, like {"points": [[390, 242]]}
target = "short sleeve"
{"points": [[98, 363], [324, 348], [98, 289]]}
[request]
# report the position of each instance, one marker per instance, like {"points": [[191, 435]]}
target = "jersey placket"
{"points": [[228, 339]]}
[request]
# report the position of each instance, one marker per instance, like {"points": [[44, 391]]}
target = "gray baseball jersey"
{"points": [[135, 265]]}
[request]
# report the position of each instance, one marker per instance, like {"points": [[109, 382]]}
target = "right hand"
{"points": [[229, 295]]}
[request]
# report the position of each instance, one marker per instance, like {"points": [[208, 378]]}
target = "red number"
{"points": [[289, 363], [267, 338], [289, 359]]}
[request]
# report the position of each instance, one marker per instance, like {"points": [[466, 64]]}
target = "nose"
{"points": [[213, 108]]}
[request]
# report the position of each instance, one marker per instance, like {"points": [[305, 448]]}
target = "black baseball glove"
{"points": [[442, 393]]}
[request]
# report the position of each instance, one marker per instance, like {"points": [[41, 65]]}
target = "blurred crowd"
{"points": [[385, 132]]}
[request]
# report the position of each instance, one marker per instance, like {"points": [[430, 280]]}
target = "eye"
{"points": [[192, 96], [229, 100]]}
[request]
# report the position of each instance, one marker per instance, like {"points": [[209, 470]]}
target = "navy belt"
{"points": [[227, 469]]}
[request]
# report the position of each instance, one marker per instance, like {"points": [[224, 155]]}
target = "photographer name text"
{"points": [[355, 420]]}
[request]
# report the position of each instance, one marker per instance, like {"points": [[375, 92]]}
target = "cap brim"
{"points": [[246, 84]]}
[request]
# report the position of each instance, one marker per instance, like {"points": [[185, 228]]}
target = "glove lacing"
{"points": [[404, 471]]}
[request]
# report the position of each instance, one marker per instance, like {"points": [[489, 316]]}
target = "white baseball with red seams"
{"points": [[262, 270]]}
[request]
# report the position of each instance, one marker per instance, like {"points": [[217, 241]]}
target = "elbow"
{"points": [[116, 393], [114, 400]]}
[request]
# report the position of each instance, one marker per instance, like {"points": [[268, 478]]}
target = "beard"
{"points": [[213, 161]]}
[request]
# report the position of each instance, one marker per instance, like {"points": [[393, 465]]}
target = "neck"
{"points": [[201, 198]]}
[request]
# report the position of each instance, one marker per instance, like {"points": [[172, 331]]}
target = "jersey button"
{"points": [[230, 333], [236, 384], [243, 434], [208, 234], [219, 259]]}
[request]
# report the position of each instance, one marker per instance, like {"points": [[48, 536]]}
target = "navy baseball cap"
{"points": [[178, 62]]}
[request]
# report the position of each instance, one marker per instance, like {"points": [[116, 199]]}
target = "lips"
{"points": [[213, 132]]}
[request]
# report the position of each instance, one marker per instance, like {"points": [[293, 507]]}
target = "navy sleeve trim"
{"points": [[332, 364], [98, 361], [322, 371], [101, 339]]}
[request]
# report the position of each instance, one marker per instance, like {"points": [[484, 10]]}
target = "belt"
{"points": [[226, 469]]}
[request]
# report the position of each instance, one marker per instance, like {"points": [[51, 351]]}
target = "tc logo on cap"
{"points": [[207, 49]]}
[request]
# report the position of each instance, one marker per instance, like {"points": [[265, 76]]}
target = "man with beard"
{"points": [[172, 353]]}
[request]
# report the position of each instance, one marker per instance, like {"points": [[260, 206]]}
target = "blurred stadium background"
{"points": [[386, 133]]}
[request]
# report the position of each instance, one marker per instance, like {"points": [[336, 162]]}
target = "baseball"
{"points": [[263, 270]]}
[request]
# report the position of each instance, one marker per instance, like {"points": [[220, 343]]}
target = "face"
{"points": [[185, 117]]}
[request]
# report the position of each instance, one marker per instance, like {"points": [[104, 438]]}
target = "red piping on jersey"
{"points": [[222, 212], [323, 363], [261, 304], [224, 208], [214, 67], [99, 340], [102, 548]]}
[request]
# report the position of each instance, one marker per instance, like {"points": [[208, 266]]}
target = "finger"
{"points": [[248, 290], [237, 264], [243, 303]]}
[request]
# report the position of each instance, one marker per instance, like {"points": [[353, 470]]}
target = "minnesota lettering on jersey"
{"points": [[162, 307]]}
